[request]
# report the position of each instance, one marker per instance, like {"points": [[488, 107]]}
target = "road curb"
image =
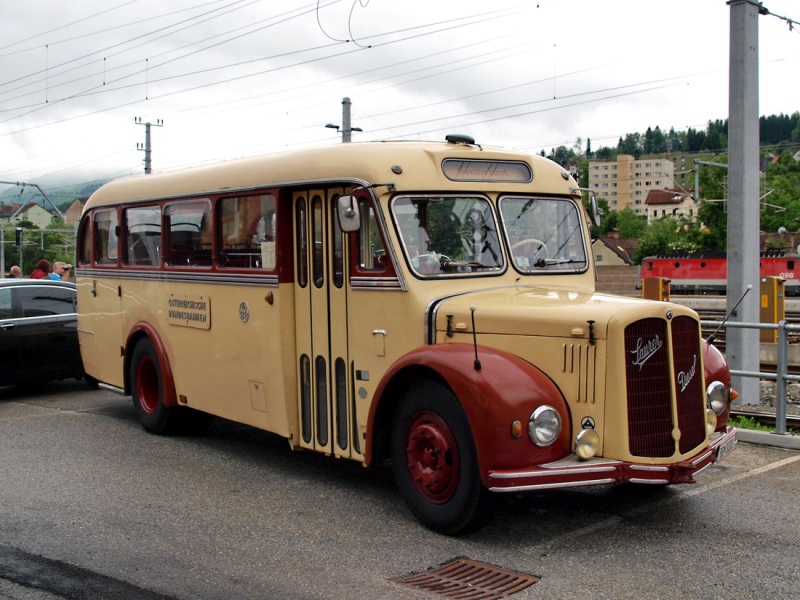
{"points": [[766, 438]]}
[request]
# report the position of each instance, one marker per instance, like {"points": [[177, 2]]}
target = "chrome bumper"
{"points": [[573, 472]]}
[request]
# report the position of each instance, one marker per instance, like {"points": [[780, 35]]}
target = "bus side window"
{"points": [[106, 228], [85, 242], [247, 232], [188, 227], [371, 250], [143, 236]]}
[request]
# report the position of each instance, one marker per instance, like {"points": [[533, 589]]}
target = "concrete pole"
{"points": [[147, 148], [346, 131], [742, 345]]}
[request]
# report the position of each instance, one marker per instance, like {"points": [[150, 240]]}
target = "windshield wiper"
{"points": [[544, 262]]}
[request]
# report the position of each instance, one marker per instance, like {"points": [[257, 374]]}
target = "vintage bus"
{"points": [[429, 303]]}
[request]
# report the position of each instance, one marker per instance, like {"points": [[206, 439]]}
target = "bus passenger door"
{"points": [[324, 378]]}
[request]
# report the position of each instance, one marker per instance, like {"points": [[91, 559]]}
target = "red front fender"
{"points": [[716, 369], [504, 390]]}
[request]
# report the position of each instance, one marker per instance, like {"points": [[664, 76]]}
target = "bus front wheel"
{"points": [[435, 462], [147, 387]]}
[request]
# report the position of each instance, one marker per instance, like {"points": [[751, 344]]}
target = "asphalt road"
{"points": [[92, 506]]}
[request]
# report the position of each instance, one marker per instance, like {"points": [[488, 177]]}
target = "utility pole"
{"points": [[742, 345], [346, 129], [147, 148]]}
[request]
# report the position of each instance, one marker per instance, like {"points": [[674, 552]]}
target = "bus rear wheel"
{"points": [[435, 461], [147, 387]]}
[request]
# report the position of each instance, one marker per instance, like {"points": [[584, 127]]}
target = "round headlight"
{"points": [[711, 421], [717, 396], [544, 426], [587, 443]]}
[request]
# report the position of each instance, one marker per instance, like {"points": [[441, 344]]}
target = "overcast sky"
{"points": [[232, 78]]}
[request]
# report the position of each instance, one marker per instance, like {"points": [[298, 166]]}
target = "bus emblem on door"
{"points": [[244, 312]]}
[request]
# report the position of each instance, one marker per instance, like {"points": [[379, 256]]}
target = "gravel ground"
{"points": [[767, 399]]}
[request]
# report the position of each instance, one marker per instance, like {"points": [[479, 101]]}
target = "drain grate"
{"points": [[467, 579]]}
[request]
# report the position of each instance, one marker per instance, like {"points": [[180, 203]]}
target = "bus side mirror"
{"points": [[349, 218], [593, 209], [597, 212]]}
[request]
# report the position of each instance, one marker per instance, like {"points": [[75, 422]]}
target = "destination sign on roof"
{"points": [[486, 170]]}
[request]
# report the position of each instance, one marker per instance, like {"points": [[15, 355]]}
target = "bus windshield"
{"points": [[446, 235], [544, 234]]}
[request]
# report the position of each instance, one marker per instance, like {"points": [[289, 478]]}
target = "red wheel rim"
{"points": [[432, 455], [147, 384]]}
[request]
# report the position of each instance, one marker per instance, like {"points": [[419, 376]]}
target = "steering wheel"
{"points": [[429, 263], [539, 250]]}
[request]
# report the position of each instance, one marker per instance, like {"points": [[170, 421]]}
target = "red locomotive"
{"points": [[707, 273]]}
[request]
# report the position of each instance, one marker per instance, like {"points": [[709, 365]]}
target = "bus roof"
{"points": [[408, 165]]}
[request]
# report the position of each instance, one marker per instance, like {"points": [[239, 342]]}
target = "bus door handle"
{"points": [[380, 341], [94, 288]]}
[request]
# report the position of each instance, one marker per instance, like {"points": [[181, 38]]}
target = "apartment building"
{"points": [[627, 181]]}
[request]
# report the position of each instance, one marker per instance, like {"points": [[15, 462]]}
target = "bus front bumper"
{"points": [[573, 472]]}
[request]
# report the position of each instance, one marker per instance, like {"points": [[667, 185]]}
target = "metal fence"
{"points": [[781, 375]]}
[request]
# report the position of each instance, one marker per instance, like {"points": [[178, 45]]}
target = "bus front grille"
{"points": [[652, 374]]}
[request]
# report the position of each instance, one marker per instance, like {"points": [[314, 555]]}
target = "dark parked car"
{"points": [[38, 331]]}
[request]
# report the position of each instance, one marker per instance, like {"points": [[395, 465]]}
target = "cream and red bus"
{"points": [[429, 303]]}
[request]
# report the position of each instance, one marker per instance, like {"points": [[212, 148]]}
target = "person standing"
{"points": [[42, 269], [14, 272], [60, 271]]}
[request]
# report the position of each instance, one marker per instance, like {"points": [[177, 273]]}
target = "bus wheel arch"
{"points": [[151, 386], [379, 446], [141, 332]]}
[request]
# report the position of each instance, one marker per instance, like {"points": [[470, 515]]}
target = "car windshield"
{"points": [[544, 234], [446, 235]]}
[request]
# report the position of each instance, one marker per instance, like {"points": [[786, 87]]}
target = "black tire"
{"points": [[147, 389], [435, 461]]}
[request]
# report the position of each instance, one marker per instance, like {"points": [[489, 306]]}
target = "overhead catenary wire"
{"points": [[396, 126], [218, 82]]}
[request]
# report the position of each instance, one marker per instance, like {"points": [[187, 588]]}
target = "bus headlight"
{"points": [[711, 421], [587, 443], [544, 426], [717, 396]]}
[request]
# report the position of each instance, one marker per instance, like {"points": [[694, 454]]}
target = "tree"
{"points": [[562, 155], [675, 141], [630, 145], [629, 224], [648, 141], [605, 153], [658, 238], [713, 222]]}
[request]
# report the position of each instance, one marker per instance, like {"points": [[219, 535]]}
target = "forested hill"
{"points": [[778, 131]]}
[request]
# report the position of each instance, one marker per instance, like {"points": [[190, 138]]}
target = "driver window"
{"points": [[448, 235]]}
